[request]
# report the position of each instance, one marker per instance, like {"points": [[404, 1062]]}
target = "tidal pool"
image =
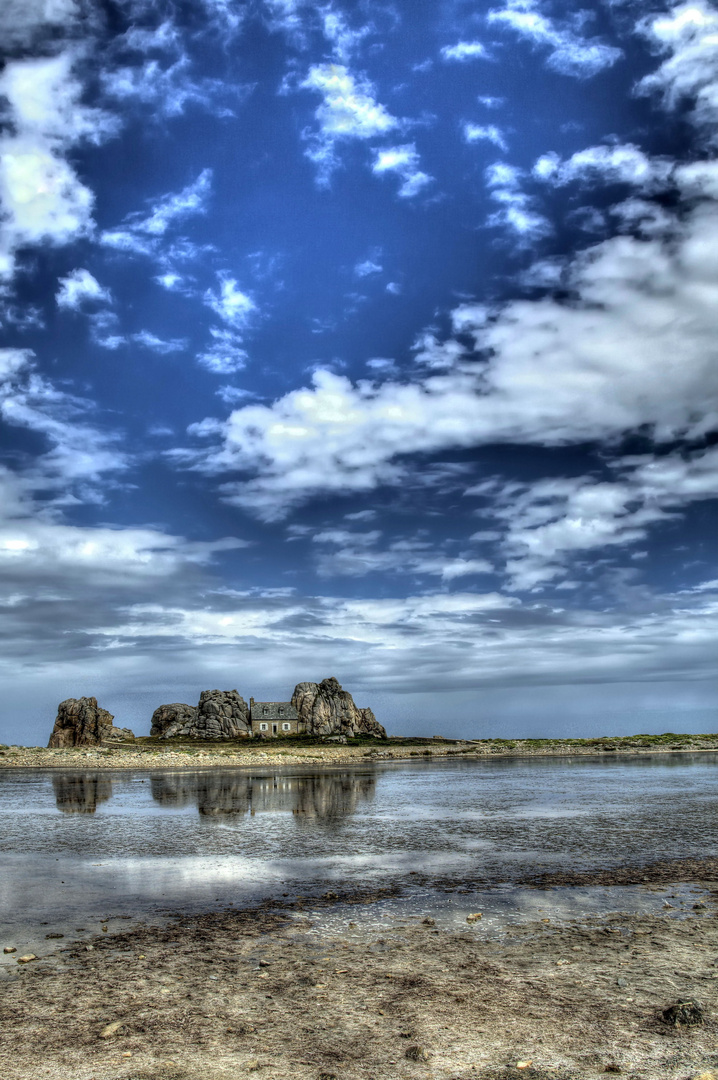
{"points": [[79, 848]]}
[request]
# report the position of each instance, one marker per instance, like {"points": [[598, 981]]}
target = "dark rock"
{"points": [[175, 719], [81, 722], [416, 1053], [325, 709], [683, 1014]]}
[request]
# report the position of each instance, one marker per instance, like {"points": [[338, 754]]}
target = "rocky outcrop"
{"points": [[221, 714], [81, 722], [175, 719], [325, 709]]}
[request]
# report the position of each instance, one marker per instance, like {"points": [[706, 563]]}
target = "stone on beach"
{"points": [[81, 722]]}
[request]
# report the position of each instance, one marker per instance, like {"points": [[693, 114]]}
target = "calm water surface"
{"points": [[84, 845]]}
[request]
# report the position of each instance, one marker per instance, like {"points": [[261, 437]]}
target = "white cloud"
{"points": [[79, 455], [340, 34], [553, 521], [232, 305], [79, 287], [225, 354], [367, 267], [349, 111], [688, 33], [25, 22], [633, 347], [171, 208], [156, 344], [517, 209], [464, 50], [403, 160], [42, 197], [489, 133], [569, 53], [624, 164], [142, 233]]}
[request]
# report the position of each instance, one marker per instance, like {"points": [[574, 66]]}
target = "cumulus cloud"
{"points": [[690, 71], [42, 197], [78, 288], [404, 161], [619, 164], [489, 133], [569, 53], [632, 347], [553, 522], [464, 50], [349, 110]]}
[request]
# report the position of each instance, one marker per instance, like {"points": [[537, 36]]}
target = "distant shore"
{"points": [[148, 753]]}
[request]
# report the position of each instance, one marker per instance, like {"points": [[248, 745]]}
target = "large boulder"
{"points": [[325, 709], [81, 722], [221, 714], [175, 719]]}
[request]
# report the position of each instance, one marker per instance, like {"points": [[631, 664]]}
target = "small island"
{"points": [[316, 709]]}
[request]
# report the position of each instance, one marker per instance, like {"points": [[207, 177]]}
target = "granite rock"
{"points": [[175, 719], [325, 709], [221, 714], [81, 722]]}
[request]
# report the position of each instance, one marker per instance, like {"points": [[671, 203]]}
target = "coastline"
{"points": [[148, 753], [272, 992]]}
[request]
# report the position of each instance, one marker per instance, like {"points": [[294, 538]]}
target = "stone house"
{"points": [[274, 718]]}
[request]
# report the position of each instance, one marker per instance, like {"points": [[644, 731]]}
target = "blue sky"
{"points": [[374, 340]]}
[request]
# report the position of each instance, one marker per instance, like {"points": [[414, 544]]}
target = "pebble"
{"points": [[474, 917], [416, 1053], [9, 949], [111, 1029], [26, 958]]}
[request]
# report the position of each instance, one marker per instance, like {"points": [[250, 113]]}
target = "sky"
{"points": [[374, 340]]}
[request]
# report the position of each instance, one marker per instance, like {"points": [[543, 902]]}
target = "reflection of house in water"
{"points": [[81, 792], [325, 797]]}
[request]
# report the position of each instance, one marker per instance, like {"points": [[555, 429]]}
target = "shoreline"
{"points": [[271, 992], [148, 753]]}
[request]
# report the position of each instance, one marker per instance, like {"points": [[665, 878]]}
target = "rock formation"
{"points": [[175, 719], [81, 722], [221, 714], [325, 709]]}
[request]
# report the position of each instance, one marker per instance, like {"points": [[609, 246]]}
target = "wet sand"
{"points": [[256, 992]]}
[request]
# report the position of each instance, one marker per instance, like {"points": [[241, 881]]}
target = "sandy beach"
{"points": [[256, 992]]}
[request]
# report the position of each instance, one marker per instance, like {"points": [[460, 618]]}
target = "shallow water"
{"points": [[83, 846]]}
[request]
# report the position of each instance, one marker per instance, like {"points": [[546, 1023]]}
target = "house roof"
{"points": [[273, 710]]}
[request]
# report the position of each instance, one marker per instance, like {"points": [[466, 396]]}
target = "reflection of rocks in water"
{"points": [[323, 797], [333, 796], [81, 792]]}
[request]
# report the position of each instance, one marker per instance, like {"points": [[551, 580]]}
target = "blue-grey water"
{"points": [[83, 846]]}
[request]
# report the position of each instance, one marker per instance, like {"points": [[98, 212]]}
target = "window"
{"points": [[286, 727], [263, 727], [281, 711], [265, 710]]}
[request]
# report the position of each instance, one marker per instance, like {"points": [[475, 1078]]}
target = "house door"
{"points": [[274, 729]]}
